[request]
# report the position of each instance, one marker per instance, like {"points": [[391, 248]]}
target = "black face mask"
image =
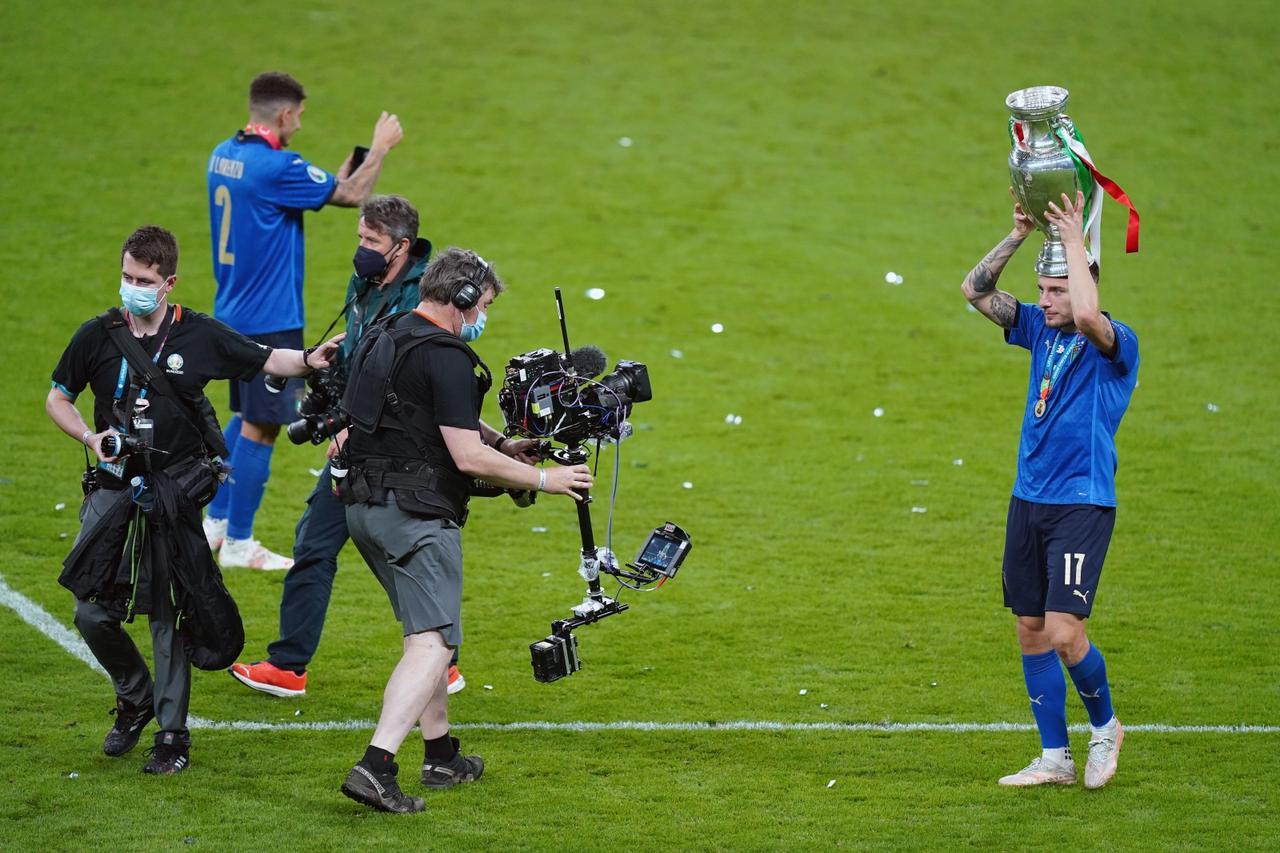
{"points": [[369, 263]]}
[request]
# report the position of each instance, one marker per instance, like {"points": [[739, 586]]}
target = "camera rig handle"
{"points": [[577, 455]]}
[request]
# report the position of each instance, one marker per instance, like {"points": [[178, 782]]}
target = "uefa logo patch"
{"points": [[317, 174], [174, 363]]}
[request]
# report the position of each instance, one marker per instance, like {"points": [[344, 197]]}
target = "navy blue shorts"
{"points": [[257, 405], [1053, 555]]}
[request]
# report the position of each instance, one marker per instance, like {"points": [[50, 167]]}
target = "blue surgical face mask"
{"points": [[471, 331], [139, 301]]}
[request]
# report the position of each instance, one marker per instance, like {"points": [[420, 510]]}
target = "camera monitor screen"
{"points": [[663, 552]]}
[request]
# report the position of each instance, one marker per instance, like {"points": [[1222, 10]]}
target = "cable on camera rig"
{"points": [[543, 397]]}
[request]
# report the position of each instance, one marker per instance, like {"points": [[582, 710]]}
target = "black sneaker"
{"points": [[168, 756], [130, 721], [380, 791], [462, 768]]}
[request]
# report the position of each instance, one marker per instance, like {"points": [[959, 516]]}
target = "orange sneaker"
{"points": [[271, 679], [456, 681]]}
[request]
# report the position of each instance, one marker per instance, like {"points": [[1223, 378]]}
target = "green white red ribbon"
{"points": [[1081, 154]]}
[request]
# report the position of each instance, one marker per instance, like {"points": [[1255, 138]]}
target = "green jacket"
{"points": [[366, 303]]}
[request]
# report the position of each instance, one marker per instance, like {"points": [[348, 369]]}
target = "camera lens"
{"points": [[300, 431]]}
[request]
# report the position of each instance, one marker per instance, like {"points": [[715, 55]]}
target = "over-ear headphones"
{"points": [[469, 290]]}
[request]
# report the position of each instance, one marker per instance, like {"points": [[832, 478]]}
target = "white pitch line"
{"points": [[727, 726], [40, 619]]}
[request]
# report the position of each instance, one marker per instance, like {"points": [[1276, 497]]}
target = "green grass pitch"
{"points": [[784, 157]]}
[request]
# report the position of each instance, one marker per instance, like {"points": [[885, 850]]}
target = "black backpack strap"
{"points": [[117, 329]]}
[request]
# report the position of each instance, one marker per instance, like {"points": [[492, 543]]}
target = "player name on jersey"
{"points": [[226, 167]]}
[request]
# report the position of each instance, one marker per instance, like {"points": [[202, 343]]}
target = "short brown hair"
{"points": [[453, 268], [274, 88], [153, 246], [392, 215]]}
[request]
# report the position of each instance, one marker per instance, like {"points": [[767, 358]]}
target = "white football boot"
{"points": [[1104, 751], [249, 554], [1041, 771]]}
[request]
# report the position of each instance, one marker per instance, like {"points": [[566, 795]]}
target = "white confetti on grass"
{"points": [[675, 353], [59, 507], [957, 462], [625, 142], [831, 784], [686, 484], [878, 412], [596, 293], [1213, 407], [717, 328], [919, 509]]}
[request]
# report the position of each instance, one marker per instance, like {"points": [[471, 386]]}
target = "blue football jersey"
{"points": [[256, 198], [1068, 455]]}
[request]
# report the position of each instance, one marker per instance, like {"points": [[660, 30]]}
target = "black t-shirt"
{"points": [[437, 380], [196, 350]]}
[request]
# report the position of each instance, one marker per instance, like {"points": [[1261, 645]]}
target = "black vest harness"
{"points": [[371, 403]]}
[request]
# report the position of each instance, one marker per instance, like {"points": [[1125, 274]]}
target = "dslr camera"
{"points": [[322, 416]]}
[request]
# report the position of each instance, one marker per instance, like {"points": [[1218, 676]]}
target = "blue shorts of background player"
{"points": [[254, 402]]}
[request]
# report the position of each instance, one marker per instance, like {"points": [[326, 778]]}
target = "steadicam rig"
{"points": [[553, 397], [659, 559]]}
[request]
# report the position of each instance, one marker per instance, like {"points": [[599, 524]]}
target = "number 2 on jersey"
{"points": [[222, 198]]}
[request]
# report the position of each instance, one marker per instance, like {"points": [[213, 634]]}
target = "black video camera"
{"points": [[545, 396], [322, 416]]}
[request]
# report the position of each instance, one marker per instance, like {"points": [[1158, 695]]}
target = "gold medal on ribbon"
{"points": [[1040, 407]]}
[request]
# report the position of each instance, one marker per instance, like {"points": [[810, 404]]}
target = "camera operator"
{"points": [[405, 513], [141, 547], [389, 263]]}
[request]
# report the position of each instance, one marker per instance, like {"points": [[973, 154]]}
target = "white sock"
{"points": [[1109, 728], [1060, 756]]}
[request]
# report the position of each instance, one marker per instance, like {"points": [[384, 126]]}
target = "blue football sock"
{"points": [[1090, 677], [221, 503], [1047, 690], [250, 467]]}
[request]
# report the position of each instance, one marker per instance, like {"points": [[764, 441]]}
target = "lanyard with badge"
{"points": [[142, 426], [1053, 367]]}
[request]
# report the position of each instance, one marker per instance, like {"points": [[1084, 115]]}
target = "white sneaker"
{"points": [[1042, 772], [1104, 752], [249, 554], [215, 530]]}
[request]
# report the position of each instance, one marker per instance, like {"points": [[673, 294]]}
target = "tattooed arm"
{"points": [[980, 284]]}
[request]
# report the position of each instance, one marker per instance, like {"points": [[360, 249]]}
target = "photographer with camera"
{"points": [[141, 547], [416, 442], [389, 263]]}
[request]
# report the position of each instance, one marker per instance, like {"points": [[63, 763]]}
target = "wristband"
{"points": [[85, 436], [306, 355], [542, 479], [497, 445]]}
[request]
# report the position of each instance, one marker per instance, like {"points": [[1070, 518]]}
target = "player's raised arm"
{"points": [[354, 187], [1080, 284], [979, 285]]}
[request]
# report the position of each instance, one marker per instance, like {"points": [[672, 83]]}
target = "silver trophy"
{"points": [[1041, 165]]}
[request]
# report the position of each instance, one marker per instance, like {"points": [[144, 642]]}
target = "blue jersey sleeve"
{"points": [[298, 185], [1126, 357], [1027, 326]]}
